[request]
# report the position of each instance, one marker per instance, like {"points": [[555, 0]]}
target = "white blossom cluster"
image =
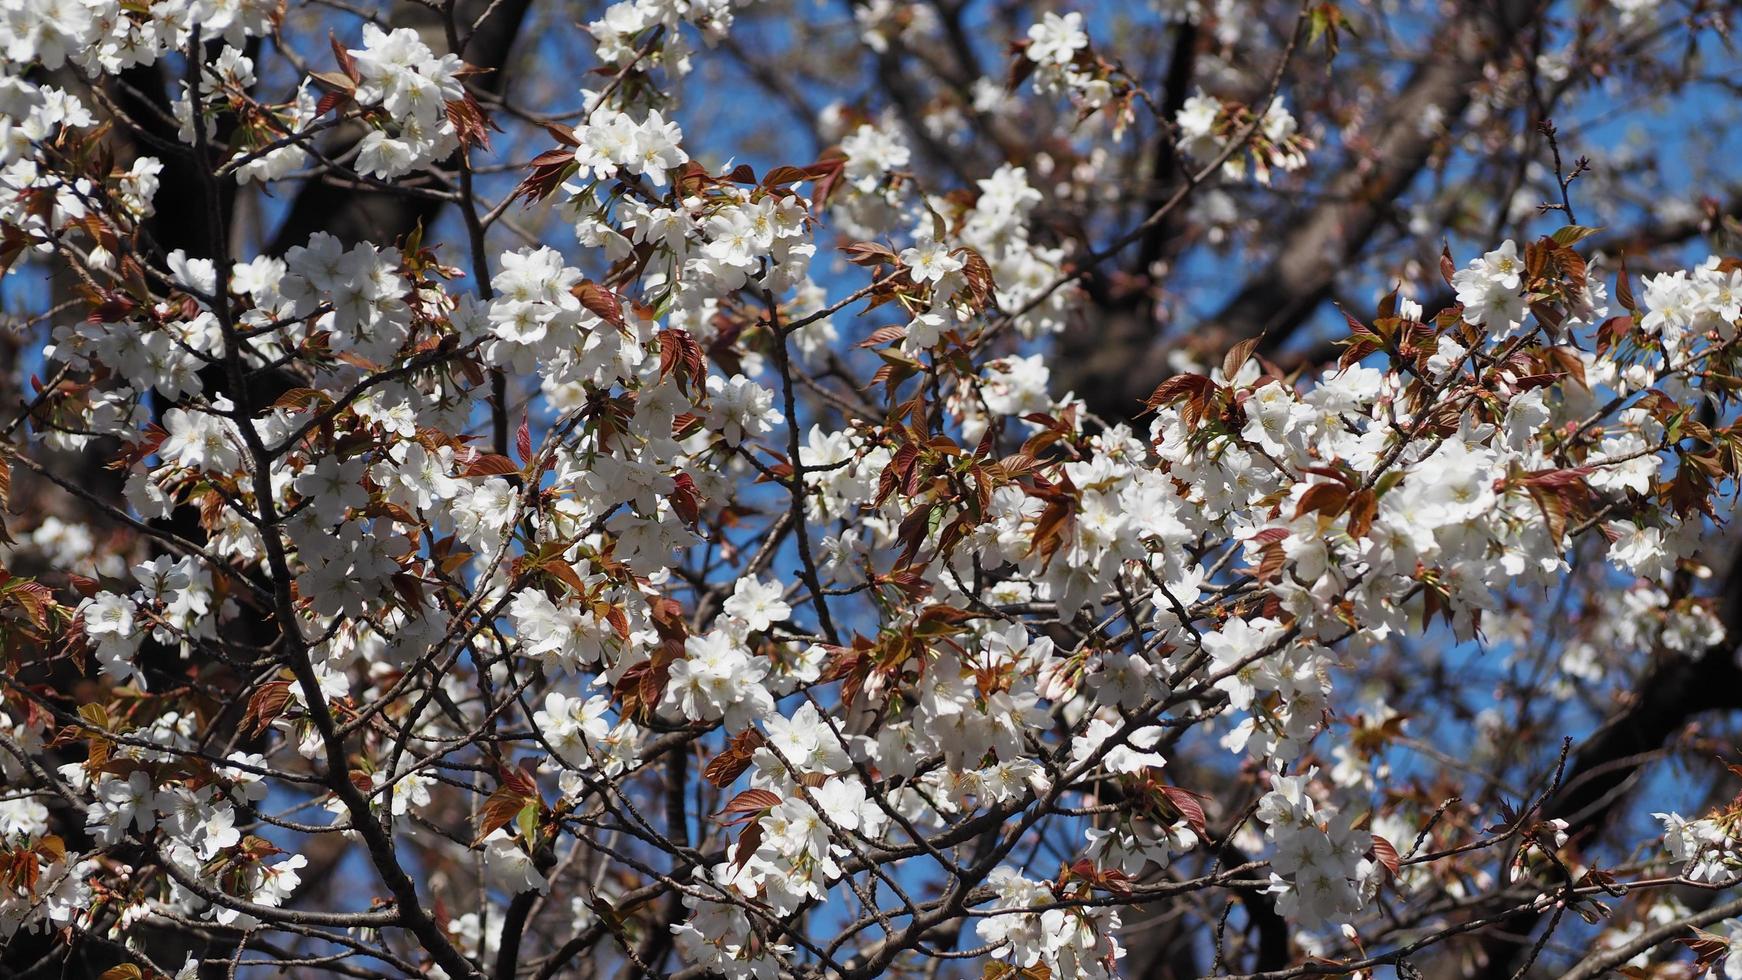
{"points": [[892, 628]]}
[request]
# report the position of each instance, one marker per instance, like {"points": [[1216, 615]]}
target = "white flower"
{"points": [[199, 441], [1640, 549], [509, 867], [655, 149], [757, 604], [930, 262], [1056, 40], [719, 679], [740, 408], [1733, 958], [1489, 289]]}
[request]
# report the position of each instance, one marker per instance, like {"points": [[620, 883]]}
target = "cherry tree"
{"points": [[692, 488]]}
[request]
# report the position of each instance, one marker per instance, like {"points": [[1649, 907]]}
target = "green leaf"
{"points": [[1573, 234], [527, 821]]}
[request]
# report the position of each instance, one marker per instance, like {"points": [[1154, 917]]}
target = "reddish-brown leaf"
{"points": [[498, 811], [747, 806], [297, 399], [1363, 507], [520, 781], [868, 253], [884, 335], [523, 439], [1237, 357], [489, 464], [330, 101], [726, 767], [267, 703], [601, 302], [1326, 498], [1189, 805], [346, 63], [686, 499], [749, 839], [1386, 854]]}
